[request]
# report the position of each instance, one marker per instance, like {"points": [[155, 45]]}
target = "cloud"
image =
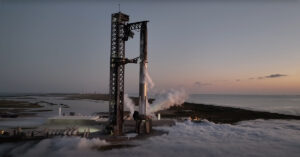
{"points": [[275, 75], [260, 78], [201, 84], [268, 76]]}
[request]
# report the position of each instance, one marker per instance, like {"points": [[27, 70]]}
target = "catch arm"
{"points": [[125, 60]]}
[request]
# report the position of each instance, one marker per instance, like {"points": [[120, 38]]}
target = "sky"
{"points": [[205, 47]]}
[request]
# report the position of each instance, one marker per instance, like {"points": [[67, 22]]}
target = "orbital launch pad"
{"points": [[121, 31]]}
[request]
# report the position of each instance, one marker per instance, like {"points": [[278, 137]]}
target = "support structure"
{"points": [[117, 70], [121, 30]]}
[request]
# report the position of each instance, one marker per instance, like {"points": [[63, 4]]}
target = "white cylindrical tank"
{"points": [[143, 69]]}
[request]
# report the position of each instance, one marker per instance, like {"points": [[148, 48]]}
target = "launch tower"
{"points": [[121, 30]]}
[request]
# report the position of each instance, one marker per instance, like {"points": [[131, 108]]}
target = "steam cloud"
{"points": [[58, 147], [167, 99], [129, 104], [149, 80], [164, 100], [258, 138]]}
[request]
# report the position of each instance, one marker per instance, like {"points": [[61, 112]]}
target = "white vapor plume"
{"points": [[55, 147], [129, 104], [148, 79], [89, 143], [167, 99], [259, 138]]}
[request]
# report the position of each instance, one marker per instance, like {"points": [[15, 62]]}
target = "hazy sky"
{"points": [[241, 47]]}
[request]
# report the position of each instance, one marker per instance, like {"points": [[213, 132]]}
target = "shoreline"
{"points": [[221, 114], [194, 111], [213, 113]]}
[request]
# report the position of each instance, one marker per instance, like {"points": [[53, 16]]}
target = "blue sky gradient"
{"points": [[203, 46]]}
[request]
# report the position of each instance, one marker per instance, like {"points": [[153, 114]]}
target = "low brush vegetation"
{"points": [[18, 104], [219, 114]]}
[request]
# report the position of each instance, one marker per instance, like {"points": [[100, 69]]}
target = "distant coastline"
{"points": [[198, 111], [214, 113]]}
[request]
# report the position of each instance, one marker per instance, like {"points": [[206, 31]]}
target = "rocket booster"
{"points": [[143, 100]]}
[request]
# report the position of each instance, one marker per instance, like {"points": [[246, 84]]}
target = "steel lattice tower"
{"points": [[116, 104], [121, 30]]}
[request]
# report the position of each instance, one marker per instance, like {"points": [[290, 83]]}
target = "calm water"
{"points": [[271, 103], [287, 104], [80, 107]]}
